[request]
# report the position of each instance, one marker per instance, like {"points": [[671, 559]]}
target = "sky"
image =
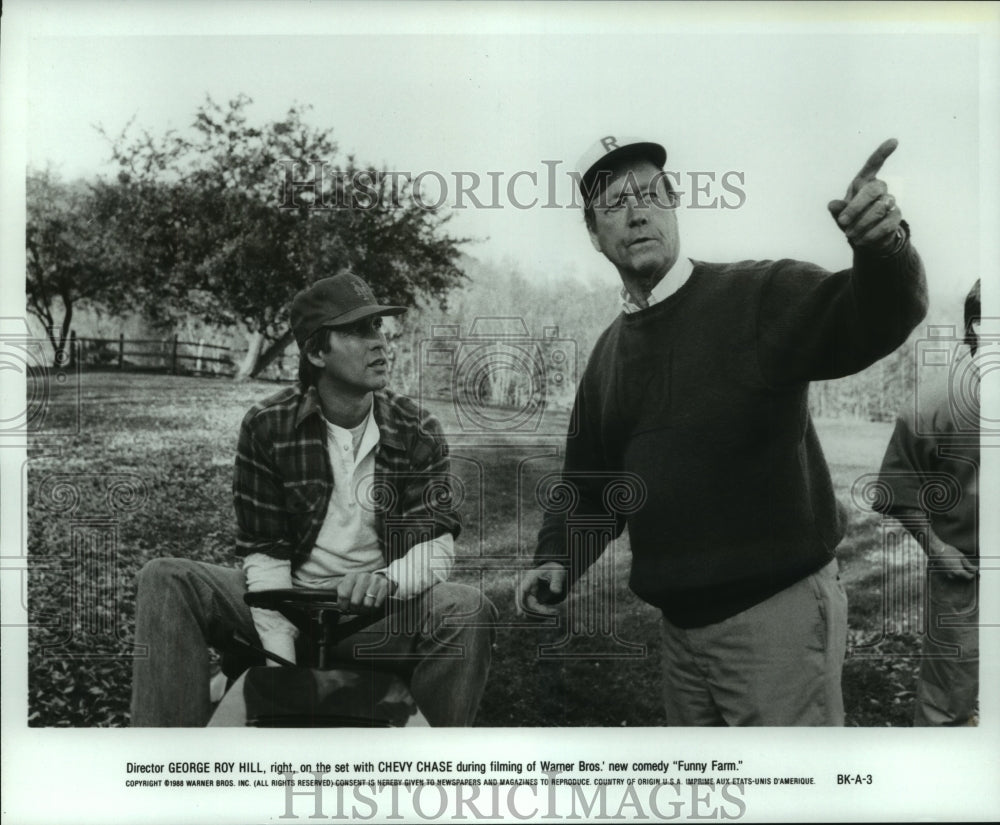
{"points": [[789, 115]]}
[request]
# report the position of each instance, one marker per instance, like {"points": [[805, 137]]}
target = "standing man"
{"points": [[339, 484], [935, 447], [699, 390]]}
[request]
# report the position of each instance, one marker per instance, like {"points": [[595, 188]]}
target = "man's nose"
{"points": [[638, 214]]}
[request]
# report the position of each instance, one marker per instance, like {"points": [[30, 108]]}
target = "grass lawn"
{"points": [[148, 474]]}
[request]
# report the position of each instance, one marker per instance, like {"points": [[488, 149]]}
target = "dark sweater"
{"points": [[703, 399]]}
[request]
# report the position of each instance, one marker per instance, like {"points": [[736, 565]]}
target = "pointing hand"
{"points": [[868, 214]]}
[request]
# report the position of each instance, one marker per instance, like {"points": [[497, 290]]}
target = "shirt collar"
{"points": [[381, 413], [308, 405], [371, 435], [675, 278], [389, 434]]}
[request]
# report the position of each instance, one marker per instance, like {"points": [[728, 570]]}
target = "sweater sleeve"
{"points": [[813, 325]]}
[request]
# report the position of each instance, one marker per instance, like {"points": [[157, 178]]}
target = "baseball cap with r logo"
{"points": [[611, 150]]}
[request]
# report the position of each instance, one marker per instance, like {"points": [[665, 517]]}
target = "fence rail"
{"points": [[153, 355]]}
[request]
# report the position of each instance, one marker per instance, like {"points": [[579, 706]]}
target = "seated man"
{"points": [[336, 486]]}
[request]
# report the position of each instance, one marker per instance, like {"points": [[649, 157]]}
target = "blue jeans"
{"points": [[443, 638]]}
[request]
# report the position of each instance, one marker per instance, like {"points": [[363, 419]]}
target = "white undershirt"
{"points": [[347, 541]]}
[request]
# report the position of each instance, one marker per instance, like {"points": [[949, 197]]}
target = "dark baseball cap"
{"points": [[609, 151], [335, 302]]}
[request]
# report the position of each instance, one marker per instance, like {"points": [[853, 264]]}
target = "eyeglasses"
{"points": [[647, 199]]}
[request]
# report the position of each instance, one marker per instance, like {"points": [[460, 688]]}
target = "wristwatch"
{"points": [[902, 236]]}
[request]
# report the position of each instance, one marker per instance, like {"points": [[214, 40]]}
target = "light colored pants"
{"points": [[776, 663], [948, 685], [442, 638]]}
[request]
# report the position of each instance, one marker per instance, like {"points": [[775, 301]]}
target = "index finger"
{"points": [[874, 163]]}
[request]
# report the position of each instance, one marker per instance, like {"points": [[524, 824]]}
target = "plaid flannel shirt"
{"points": [[283, 480]]}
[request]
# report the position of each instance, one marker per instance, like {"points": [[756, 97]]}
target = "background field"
{"points": [[141, 467]]}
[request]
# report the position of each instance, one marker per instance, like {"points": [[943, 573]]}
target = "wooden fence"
{"points": [[154, 355]]}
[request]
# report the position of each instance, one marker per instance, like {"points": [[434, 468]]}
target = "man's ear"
{"points": [[315, 359]]}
